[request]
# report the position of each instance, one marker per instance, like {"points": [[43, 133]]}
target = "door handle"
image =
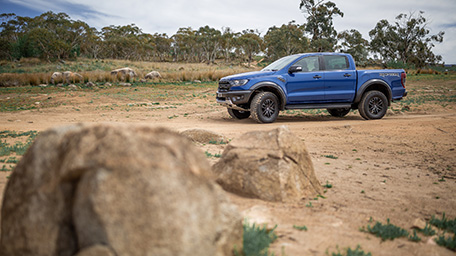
{"points": [[347, 75], [317, 77]]}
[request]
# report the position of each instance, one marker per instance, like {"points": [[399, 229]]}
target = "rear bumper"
{"points": [[233, 99]]}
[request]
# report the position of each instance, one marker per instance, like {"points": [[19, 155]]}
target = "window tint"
{"points": [[336, 62], [308, 64]]}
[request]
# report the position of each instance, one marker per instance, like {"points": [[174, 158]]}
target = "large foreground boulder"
{"points": [[270, 165], [116, 190]]}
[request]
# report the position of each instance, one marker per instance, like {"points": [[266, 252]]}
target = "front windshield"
{"points": [[280, 63]]}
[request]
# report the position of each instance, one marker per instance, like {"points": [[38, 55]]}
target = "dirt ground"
{"points": [[401, 167]]}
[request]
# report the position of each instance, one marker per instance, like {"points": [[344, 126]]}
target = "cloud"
{"points": [[160, 16]]}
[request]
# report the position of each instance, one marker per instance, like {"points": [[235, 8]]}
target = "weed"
{"points": [[350, 252], [331, 156], [256, 240], [302, 228], [449, 242], [387, 232], [215, 142], [414, 238], [427, 230], [309, 205], [444, 223], [328, 185], [5, 169], [442, 179]]}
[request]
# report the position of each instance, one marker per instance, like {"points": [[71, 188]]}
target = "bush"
{"points": [[256, 240]]}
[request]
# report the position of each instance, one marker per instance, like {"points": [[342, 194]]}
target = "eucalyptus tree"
{"points": [[319, 24], [407, 40], [285, 40]]}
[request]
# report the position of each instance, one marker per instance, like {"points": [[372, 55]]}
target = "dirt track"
{"points": [[390, 168]]}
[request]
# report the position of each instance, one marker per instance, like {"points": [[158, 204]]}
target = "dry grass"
{"points": [[34, 72]]}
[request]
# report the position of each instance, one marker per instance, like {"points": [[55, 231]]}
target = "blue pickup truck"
{"points": [[310, 81]]}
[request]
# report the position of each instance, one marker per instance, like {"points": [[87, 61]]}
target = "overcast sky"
{"points": [[167, 16]]}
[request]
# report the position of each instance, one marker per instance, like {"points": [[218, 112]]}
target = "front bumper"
{"points": [[233, 99]]}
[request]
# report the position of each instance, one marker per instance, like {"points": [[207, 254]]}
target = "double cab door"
{"points": [[324, 78]]}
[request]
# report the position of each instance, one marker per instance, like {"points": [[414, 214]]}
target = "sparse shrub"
{"points": [[427, 230], [301, 228], [414, 237], [449, 242], [256, 240], [350, 252], [386, 232], [444, 223], [328, 185]]}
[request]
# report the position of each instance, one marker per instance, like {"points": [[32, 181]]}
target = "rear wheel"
{"points": [[338, 112], [264, 107], [238, 114], [373, 105]]}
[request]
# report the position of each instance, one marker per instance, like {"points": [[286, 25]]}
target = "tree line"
{"points": [[55, 36]]}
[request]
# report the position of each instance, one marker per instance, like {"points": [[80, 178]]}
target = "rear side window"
{"points": [[335, 62]]}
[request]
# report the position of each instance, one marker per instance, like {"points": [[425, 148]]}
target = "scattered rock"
{"points": [[37, 103], [108, 84], [203, 136], [124, 72], [152, 75], [65, 77], [112, 189], [90, 84], [42, 85], [258, 214], [142, 80], [431, 240], [270, 165], [419, 223], [72, 86], [59, 85], [197, 81], [125, 84]]}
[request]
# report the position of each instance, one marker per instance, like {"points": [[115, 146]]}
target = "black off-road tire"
{"points": [[338, 112], [373, 105], [264, 107], [237, 114]]}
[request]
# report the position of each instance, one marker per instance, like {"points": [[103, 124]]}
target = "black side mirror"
{"points": [[294, 69]]}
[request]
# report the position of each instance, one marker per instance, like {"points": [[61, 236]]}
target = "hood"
{"points": [[248, 75]]}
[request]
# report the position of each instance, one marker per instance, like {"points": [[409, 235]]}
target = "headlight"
{"points": [[238, 82]]}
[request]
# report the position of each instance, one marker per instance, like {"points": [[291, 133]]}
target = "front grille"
{"points": [[224, 86]]}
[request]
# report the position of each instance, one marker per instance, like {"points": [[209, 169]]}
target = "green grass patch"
{"points": [[349, 252], [427, 230], [216, 142], [256, 240], [19, 147], [414, 237], [386, 231], [301, 228], [447, 242], [331, 156], [444, 223]]}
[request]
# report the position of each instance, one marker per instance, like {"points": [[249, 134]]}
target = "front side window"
{"points": [[334, 62], [309, 64]]}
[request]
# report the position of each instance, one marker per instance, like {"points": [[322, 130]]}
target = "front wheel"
{"points": [[338, 112], [237, 114], [373, 105], [264, 107]]}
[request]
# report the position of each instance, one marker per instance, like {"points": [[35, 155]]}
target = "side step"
{"points": [[314, 106]]}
